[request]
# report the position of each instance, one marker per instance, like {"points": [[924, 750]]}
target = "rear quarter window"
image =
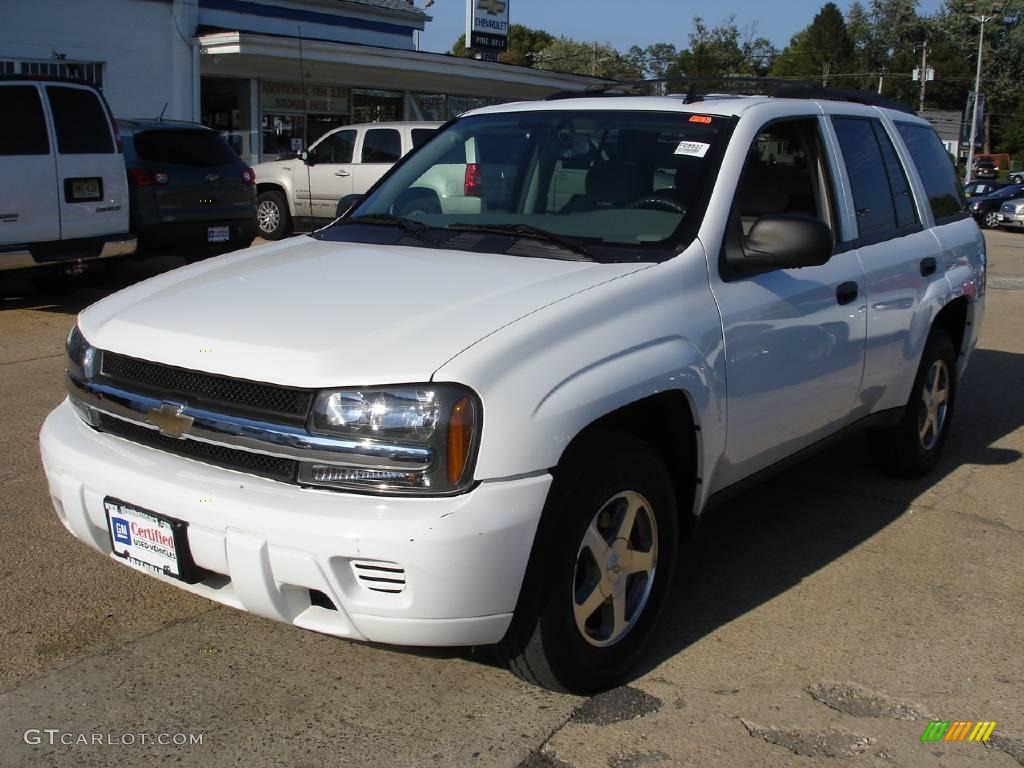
{"points": [[184, 147], [936, 170], [23, 130], [80, 121]]}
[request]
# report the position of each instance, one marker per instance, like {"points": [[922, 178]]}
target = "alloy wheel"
{"points": [[932, 415], [268, 215], [614, 570]]}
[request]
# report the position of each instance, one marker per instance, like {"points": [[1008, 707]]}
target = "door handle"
{"points": [[342, 173], [847, 292], [928, 266]]}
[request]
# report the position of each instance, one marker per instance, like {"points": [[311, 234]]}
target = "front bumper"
{"points": [[267, 544], [1011, 220]]}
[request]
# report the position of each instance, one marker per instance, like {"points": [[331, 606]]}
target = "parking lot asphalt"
{"points": [[822, 619]]}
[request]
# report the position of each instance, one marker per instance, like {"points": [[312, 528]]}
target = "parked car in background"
{"points": [[1011, 213], [982, 188], [63, 196], [190, 192], [984, 168], [985, 210], [348, 160]]}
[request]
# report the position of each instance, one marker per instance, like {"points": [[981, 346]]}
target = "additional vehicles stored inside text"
{"points": [[348, 160], [190, 192], [64, 197], [494, 425]]}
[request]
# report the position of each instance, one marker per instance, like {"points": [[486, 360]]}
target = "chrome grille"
{"points": [[238, 394], [243, 461]]}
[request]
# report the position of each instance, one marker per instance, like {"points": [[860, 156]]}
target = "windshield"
{"points": [[592, 179]]}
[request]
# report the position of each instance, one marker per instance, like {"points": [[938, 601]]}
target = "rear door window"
{"points": [[936, 169], [23, 129], [382, 145], [204, 149], [80, 121], [421, 136], [880, 192]]}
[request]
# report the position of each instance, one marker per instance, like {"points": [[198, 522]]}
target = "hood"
{"points": [[311, 313]]}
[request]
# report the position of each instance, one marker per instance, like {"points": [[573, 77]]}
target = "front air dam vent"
{"points": [[380, 576]]}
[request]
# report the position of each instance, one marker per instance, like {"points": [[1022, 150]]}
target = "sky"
{"points": [[636, 22]]}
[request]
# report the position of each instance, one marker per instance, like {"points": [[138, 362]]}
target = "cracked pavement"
{"points": [[820, 620]]}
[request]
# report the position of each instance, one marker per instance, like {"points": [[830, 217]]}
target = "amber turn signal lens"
{"points": [[460, 435]]}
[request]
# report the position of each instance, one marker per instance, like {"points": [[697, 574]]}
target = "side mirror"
{"points": [[346, 204], [307, 158], [783, 241]]}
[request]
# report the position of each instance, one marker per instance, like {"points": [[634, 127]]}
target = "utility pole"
{"points": [[983, 20], [924, 73]]}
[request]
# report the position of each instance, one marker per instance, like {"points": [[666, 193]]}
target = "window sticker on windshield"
{"points": [[692, 148]]}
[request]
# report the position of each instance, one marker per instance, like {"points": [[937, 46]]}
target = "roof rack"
{"points": [[764, 86]]}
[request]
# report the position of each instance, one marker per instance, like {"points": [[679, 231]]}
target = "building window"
{"points": [[87, 71], [376, 106], [441, 107]]}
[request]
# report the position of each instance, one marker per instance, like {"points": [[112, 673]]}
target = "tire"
{"points": [[592, 495], [272, 217], [1017, 178], [910, 449], [990, 220]]}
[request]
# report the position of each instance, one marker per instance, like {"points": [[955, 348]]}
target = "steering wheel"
{"points": [[658, 202]]}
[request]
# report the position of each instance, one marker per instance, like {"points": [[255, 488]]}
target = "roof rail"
{"points": [[750, 86]]}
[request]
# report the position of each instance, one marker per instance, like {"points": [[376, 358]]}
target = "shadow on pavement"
{"points": [[769, 540], [72, 297]]}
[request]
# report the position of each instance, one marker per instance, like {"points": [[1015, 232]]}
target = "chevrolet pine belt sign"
{"points": [[487, 22]]}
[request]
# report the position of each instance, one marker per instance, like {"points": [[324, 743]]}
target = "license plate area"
{"points": [[150, 542], [84, 190], [218, 234]]}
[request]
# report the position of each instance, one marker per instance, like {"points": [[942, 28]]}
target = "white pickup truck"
{"points": [[494, 424], [345, 161]]}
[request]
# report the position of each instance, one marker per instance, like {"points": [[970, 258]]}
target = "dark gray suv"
{"points": [[190, 192]]}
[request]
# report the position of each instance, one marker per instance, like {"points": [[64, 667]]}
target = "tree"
{"points": [[564, 54], [821, 50]]}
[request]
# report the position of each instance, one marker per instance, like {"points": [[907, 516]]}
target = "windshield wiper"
{"points": [[526, 230], [415, 229]]}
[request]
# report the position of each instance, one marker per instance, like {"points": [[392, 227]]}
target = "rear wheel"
{"points": [[272, 215], [599, 573], [913, 447]]}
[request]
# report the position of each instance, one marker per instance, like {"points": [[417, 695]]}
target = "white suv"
{"points": [[494, 427], [64, 196], [342, 162]]}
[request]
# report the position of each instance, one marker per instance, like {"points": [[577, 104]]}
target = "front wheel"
{"points": [[913, 447], [991, 220], [603, 559], [272, 215], [1017, 178]]}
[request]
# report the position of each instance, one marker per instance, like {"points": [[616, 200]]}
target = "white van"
{"points": [[64, 196]]}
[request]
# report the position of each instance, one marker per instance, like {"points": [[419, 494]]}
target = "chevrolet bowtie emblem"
{"points": [[168, 418], [493, 7]]}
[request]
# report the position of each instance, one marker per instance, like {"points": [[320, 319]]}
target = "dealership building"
{"points": [[270, 74]]}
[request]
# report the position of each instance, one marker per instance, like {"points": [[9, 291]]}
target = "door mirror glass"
{"points": [[784, 241], [307, 157]]}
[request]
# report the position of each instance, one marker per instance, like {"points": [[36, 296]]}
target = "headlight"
{"points": [[82, 356], [411, 439]]}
